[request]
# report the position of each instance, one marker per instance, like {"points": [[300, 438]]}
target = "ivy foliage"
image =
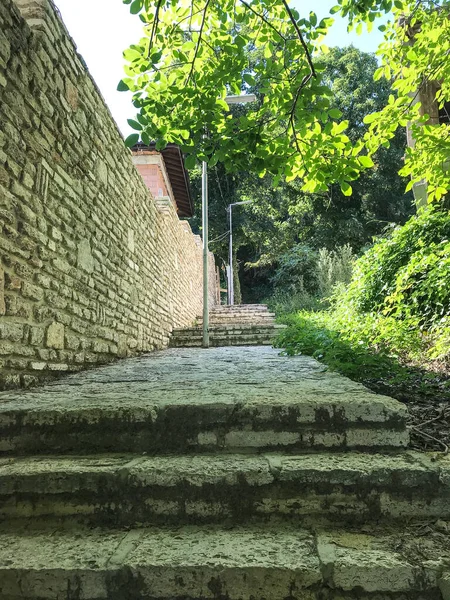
{"points": [[407, 274], [397, 305], [197, 52], [399, 296]]}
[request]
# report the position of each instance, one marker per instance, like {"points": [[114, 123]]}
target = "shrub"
{"points": [[407, 272], [334, 267], [296, 271], [284, 303], [399, 296]]}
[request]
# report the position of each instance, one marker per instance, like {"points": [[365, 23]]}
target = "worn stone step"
{"points": [[267, 562], [230, 314], [219, 333], [183, 339], [239, 319], [184, 400], [131, 490], [239, 307], [228, 335], [239, 315], [217, 342], [234, 323], [231, 328]]}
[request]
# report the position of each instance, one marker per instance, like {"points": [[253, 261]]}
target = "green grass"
{"points": [[318, 334]]}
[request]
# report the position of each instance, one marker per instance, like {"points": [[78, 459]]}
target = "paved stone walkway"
{"points": [[232, 473]]}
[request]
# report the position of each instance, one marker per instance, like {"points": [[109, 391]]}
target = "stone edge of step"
{"points": [[197, 561], [377, 485]]}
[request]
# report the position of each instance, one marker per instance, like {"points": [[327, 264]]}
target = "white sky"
{"points": [[102, 29]]}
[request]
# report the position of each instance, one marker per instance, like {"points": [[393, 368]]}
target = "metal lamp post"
{"points": [[229, 100], [231, 274]]}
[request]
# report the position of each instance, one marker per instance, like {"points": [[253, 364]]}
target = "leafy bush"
{"points": [[306, 274], [397, 303], [399, 296], [296, 271], [318, 335], [408, 272], [284, 303], [334, 267]]}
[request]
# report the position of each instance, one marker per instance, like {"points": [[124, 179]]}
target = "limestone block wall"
{"points": [[91, 266]]}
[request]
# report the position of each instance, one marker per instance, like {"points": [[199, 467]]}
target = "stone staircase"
{"points": [[219, 474], [237, 325]]}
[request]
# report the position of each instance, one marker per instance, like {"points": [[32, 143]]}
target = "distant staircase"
{"points": [[237, 325]]}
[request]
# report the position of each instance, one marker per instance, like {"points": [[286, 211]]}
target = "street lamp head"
{"points": [[243, 202], [243, 99]]}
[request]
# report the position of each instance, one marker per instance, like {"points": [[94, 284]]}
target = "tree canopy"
{"points": [[195, 52], [282, 216]]}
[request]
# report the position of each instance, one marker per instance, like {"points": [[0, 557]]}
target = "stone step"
{"points": [[188, 400], [252, 562], [129, 490], [234, 317], [222, 332], [254, 322], [233, 323], [187, 420], [191, 338], [224, 310], [236, 323], [226, 335], [226, 328], [240, 307], [224, 341], [230, 323]]}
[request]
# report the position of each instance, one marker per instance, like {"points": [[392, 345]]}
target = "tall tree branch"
{"points": [[263, 18], [205, 10], [300, 37]]}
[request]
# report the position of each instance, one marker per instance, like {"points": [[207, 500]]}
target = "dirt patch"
{"points": [[427, 398]]}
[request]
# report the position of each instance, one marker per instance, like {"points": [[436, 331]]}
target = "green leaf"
{"points": [[122, 87], [188, 46], [249, 79], [378, 74], [132, 140], [136, 6], [366, 161], [190, 161], [335, 113], [145, 138], [156, 56], [346, 188], [371, 118], [240, 41], [134, 125]]}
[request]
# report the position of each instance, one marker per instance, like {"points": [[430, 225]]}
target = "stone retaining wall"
{"points": [[91, 266]]}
